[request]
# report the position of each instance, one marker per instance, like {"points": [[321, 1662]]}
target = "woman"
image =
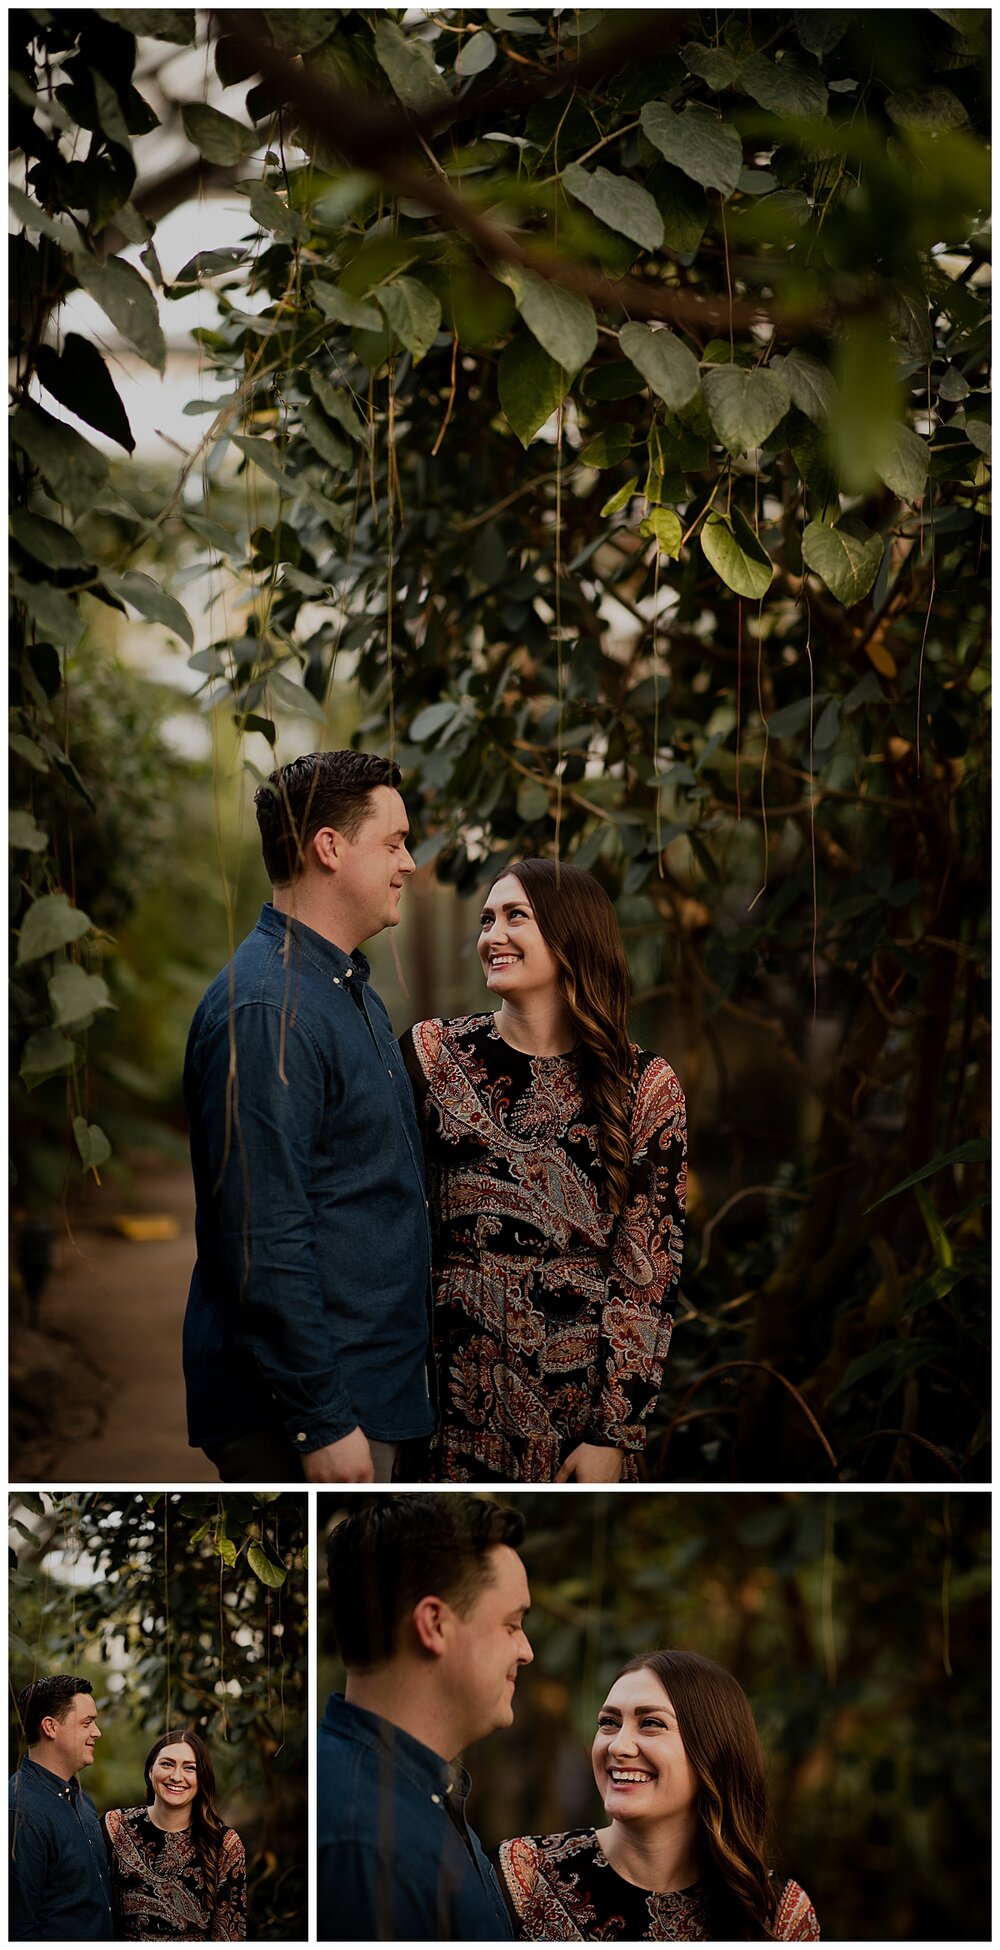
{"points": [[683, 1858], [178, 1872], [556, 1166]]}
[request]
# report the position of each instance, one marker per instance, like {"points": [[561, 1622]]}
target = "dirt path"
{"points": [[105, 1367]]}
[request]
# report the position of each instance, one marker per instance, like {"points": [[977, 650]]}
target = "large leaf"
{"points": [[76, 996], [414, 313], [93, 1146], [926, 108], [46, 1054], [730, 545], [698, 142], [327, 444], [476, 54], [57, 617], [267, 209], [665, 362], [623, 205], [716, 65], [784, 86], [902, 461], [975, 1151], [810, 385], [126, 298], [300, 29], [145, 595], [744, 406], [847, 557], [530, 385], [175, 24], [339, 306], [24, 835], [72, 468], [683, 206], [216, 136], [78, 378], [337, 406], [563, 324], [265, 1565], [409, 64], [665, 525], [264, 455], [34, 218], [50, 923]]}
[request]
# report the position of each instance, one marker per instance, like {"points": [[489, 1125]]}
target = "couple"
{"points": [[170, 1871], [429, 1598], [555, 1161]]}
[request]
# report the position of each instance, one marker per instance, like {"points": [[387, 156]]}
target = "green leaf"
{"points": [[91, 1143], [912, 1353], [622, 498], [409, 65], [683, 206], [980, 433], [847, 558], [71, 467], [50, 923], [267, 209], [128, 301], [901, 461], [976, 1151], [217, 137], [175, 24], [26, 749], [944, 1251], [76, 996], [732, 548], [413, 312], [698, 142], [432, 719], [712, 64], [57, 616], [264, 455], [563, 324], [607, 449], [78, 378], [146, 596], [213, 533], [327, 444], [211, 264], [337, 406], [110, 119], [665, 525], [783, 86], [530, 384], [24, 835], [790, 718], [476, 54], [300, 29], [265, 1566], [532, 801], [32, 217], [744, 406], [226, 1549], [926, 108], [46, 1054], [294, 697], [339, 306], [665, 362], [809, 384], [620, 203]]}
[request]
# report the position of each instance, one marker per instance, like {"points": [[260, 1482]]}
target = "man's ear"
{"points": [[430, 1622], [327, 847], [49, 1726]]}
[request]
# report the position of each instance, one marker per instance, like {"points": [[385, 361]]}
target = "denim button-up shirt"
{"points": [[397, 1859], [309, 1304], [60, 1889]]}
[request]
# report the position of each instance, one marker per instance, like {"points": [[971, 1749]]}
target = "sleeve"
{"points": [[370, 1889], [536, 1919], [647, 1247], [796, 1920], [263, 1097], [229, 1918], [420, 1047], [29, 1869]]}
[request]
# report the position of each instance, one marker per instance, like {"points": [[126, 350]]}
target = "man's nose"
{"points": [[408, 863], [526, 1654]]}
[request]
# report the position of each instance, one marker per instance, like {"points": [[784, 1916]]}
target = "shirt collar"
{"points": [[443, 1780], [315, 947], [54, 1783]]}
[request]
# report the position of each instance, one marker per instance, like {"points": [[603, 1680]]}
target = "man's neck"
{"points": [[303, 902], [52, 1763], [399, 1698]]}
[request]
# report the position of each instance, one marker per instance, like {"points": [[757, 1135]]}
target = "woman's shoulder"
{"points": [[525, 1857], [795, 1919], [231, 1849], [436, 1033], [659, 1098]]}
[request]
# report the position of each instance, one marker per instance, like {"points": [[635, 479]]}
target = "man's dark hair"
{"points": [[319, 789], [51, 1695], [400, 1549]]}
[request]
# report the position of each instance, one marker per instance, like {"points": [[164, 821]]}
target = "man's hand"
{"points": [[346, 1461], [589, 1462]]}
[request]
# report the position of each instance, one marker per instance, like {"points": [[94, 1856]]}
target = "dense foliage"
{"points": [[859, 1627], [181, 1610], [610, 395]]}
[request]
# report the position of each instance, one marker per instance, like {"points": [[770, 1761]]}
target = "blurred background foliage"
{"points": [[859, 1626], [182, 1610], [704, 607]]}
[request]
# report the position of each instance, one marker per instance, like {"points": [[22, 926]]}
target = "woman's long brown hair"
{"points": [[721, 1741], [207, 1826], [578, 923]]}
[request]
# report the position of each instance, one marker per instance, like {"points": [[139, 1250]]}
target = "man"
{"points": [[307, 1330], [60, 1890], [429, 1598]]}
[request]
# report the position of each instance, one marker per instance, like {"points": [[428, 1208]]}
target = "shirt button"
{"points": [[390, 1073], [348, 972], [301, 1437], [436, 1798], [336, 981]]}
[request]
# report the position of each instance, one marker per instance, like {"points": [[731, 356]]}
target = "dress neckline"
{"points": [[530, 1056], [662, 1895]]}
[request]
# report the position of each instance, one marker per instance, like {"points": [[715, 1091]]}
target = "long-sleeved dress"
{"points": [[159, 1888], [563, 1889], [552, 1318]]}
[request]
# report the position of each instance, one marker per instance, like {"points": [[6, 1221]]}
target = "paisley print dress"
{"points": [[159, 1888], [562, 1889], [551, 1318]]}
